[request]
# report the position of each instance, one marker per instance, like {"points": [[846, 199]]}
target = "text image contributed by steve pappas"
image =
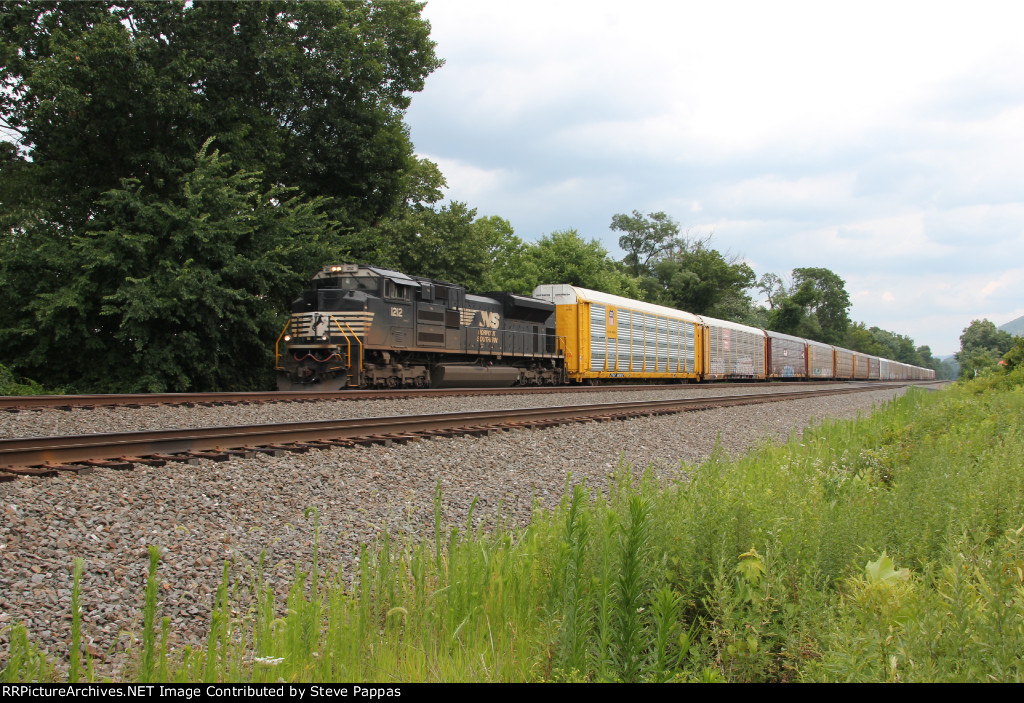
{"points": [[188, 692]]}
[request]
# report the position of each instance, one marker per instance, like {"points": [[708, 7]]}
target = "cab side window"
{"points": [[397, 292]]}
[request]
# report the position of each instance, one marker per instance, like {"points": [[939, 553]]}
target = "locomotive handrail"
{"points": [[348, 344], [277, 344]]}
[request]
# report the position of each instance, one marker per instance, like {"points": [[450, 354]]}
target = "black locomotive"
{"points": [[359, 326]]}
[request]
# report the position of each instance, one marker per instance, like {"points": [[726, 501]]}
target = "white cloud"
{"points": [[468, 182], [882, 141]]}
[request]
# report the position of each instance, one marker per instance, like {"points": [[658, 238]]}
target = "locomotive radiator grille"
{"points": [[334, 324]]}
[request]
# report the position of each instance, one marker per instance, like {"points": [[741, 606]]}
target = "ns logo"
{"points": [[489, 319]]}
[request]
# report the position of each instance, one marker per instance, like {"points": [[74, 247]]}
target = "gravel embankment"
{"points": [[39, 423], [201, 515]]}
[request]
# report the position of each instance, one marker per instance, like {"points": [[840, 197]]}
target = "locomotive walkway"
{"points": [[41, 456]]}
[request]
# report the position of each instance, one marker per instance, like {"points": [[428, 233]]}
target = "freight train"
{"points": [[359, 326]]}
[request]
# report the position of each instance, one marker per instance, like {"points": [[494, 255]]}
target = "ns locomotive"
{"points": [[360, 326]]}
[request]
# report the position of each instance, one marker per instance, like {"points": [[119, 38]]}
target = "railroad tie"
{"points": [[115, 464], [31, 471], [145, 461], [70, 468]]}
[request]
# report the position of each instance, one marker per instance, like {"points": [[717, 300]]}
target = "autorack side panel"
{"points": [[631, 340], [874, 368], [821, 360], [844, 363], [732, 350], [613, 337], [861, 366], [787, 356]]}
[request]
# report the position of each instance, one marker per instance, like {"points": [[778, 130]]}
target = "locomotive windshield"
{"points": [[367, 283], [359, 283]]}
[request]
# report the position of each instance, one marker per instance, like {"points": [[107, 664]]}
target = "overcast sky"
{"points": [[884, 141]]}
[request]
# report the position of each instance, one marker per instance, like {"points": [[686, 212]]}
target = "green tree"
{"points": [[773, 288], [897, 347], [448, 243], [792, 313], [977, 361], [982, 345], [983, 334], [859, 338], [1014, 356], [644, 238], [565, 257], [109, 103], [313, 93], [699, 279], [826, 299], [512, 267], [163, 295], [929, 361]]}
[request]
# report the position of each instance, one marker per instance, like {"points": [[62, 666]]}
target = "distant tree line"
{"points": [[172, 173]]}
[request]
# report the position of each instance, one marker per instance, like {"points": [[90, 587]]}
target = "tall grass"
{"points": [[889, 548]]}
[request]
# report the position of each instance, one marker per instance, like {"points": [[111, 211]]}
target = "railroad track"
{"points": [[139, 400], [40, 456]]}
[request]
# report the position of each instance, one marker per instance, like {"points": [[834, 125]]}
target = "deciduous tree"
{"points": [[566, 257], [982, 345], [826, 298], [310, 93], [164, 295], [109, 104], [644, 238]]}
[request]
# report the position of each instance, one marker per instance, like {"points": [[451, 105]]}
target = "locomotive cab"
{"points": [[347, 310], [323, 340]]}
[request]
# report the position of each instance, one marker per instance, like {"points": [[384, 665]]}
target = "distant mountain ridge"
{"points": [[1014, 327]]}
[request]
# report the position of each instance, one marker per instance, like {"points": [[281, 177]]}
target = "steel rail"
{"points": [[49, 451], [67, 402]]}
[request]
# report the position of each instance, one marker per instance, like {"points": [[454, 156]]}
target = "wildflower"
{"points": [[269, 661]]}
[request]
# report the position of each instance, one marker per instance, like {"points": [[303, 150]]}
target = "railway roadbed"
{"points": [[48, 456], [140, 400], [248, 511]]}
